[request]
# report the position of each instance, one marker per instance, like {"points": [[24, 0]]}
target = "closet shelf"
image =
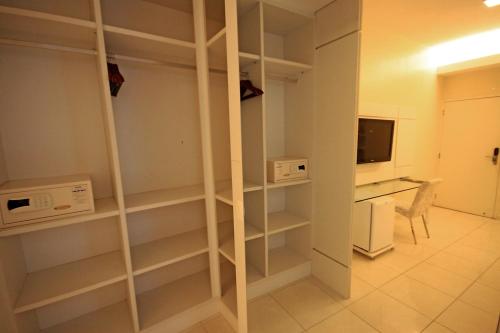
{"points": [[253, 274], [225, 230], [153, 255], [286, 68], [271, 185], [111, 319], [227, 250], [161, 303], [64, 281], [283, 221], [283, 258], [224, 191], [161, 198], [133, 43], [229, 300], [104, 208], [217, 51], [29, 25]]}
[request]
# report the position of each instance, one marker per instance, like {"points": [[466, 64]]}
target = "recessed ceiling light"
{"points": [[492, 3]]}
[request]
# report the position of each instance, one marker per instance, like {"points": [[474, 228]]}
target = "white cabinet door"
{"points": [[406, 143]]}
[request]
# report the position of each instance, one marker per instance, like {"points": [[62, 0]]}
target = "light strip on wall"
{"points": [[492, 3], [467, 48]]}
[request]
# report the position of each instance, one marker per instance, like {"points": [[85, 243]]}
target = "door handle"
{"points": [[494, 157]]}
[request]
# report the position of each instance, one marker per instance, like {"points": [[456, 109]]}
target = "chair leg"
{"points": [[425, 226], [413, 231]]}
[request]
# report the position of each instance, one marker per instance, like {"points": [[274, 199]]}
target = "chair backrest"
{"points": [[423, 199]]}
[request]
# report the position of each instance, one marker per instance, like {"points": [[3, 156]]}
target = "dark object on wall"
{"points": [[375, 137], [115, 79], [247, 90]]}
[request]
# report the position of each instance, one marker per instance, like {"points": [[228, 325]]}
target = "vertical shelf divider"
{"points": [[206, 141], [114, 158], [233, 78]]}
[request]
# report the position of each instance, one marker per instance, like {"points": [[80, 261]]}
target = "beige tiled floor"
{"points": [[448, 283]]}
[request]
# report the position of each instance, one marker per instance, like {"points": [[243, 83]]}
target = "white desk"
{"points": [[374, 210]]}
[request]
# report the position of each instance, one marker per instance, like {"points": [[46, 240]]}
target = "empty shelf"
{"points": [[229, 300], [168, 300], [227, 249], [133, 43], [104, 208], [224, 190], [225, 230], [283, 67], [111, 319], [156, 254], [283, 258], [253, 274], [64, 281], [217, 51], [161, 198], [288, 183], [29, 25], [283, 221]]}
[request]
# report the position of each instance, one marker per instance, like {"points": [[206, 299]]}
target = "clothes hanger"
{"points": [[248, 90]]}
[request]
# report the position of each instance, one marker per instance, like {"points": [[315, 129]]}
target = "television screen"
{"points": [[375, 140]]}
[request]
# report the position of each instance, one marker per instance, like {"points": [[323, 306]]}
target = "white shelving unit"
{"points": [[186, 223]]}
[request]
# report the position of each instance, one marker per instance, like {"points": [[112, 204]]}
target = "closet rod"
{"points": [[12, 42], [53, 47], [111, 56]]}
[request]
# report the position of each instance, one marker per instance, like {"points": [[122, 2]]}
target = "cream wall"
{"points": [[395, 76], [472, 84]]}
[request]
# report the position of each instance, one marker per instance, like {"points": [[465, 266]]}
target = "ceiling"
{"points": [[430, 22]]}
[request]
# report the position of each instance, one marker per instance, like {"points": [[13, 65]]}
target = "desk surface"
{"points": [[375, 190]]}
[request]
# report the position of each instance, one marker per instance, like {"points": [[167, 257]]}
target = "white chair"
{"points": [[420, 206]]}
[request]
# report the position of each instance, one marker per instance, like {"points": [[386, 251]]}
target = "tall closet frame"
{"points": [[186, 224]]}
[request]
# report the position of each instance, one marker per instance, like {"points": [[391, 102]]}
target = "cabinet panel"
{"points": [[335, 144], [405, 149], [338, 19]]}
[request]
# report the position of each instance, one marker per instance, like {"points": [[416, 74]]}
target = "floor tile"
{"points": [[418, 252], [472, 254], [397, 261], [307, 303], [342, 322], [438, 278], [463, 267], [374, 272], [265, 315], [463, 318], [491, 277], [388, 315], [417, 295], [485, 298], [437, 328], [198, 328], [217, 324], [359, 288]]}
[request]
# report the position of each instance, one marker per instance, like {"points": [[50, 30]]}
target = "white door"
{"points": [[471, 139]]}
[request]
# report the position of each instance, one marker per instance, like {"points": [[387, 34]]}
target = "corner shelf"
{"points": [[225, 229], [133, 43], [104, 208], [29, 25], [111, 319], [166, 251], [64, 281], [162, 198], [161, 303], [283, 221], [227, 250], [253, 274], [271, 185], [224, 191], [217, 48], [283, 67], [283, 258]]}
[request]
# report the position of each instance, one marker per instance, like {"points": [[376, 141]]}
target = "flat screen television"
{"points": [[375, 138]]}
